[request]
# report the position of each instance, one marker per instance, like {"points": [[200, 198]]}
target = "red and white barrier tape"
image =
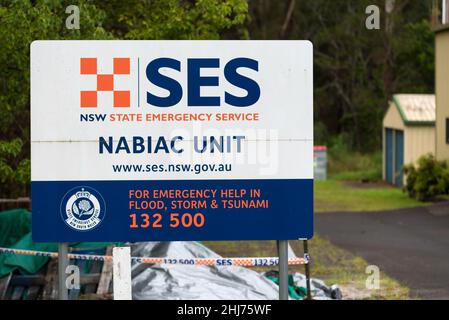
{"points": [[244, 262]]}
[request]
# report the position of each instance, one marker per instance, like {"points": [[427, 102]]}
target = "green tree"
{"points": [[175, 19], [13, 170], [22, 21], [356, 70]]}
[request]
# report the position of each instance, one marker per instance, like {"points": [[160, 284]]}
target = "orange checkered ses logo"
{"points": [[105, 83]]}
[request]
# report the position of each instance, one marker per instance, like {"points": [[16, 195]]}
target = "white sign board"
{"points": [[171, 140]]}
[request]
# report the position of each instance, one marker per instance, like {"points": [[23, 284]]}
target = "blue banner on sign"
{"points": [[72, 211]]}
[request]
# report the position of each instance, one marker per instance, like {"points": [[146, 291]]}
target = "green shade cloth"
{"points": [[294, 292], [15, 233]]}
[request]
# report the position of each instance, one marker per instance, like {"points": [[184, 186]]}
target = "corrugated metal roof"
{"points": [[416, 108]]}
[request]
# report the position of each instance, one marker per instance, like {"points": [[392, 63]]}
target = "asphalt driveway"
{"points": [[410, 245]]}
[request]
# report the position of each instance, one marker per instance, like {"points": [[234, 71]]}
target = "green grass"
{"points": [[354, 166], [335, 196], [329, 263], [336, 265], [368, 175]]}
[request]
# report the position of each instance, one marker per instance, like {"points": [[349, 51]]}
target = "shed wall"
{"points": [[393, 118], [442, 92], [419, 140]]}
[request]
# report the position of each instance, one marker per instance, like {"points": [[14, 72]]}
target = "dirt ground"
{"points": [[328, 262]]}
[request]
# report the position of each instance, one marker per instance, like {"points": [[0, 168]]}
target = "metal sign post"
{"points": [[283, 269], [63, 262], [307, 269]]}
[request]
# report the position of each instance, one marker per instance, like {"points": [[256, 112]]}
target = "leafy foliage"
{"points": [[430, 178], [23, 21], [14, 171], [174, 19], [356, 70], [345, 164]]}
